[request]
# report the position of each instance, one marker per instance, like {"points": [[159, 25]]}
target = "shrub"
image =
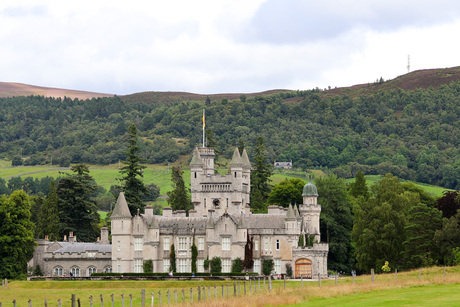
{"points": [[267, 266], [148, 266], [216, 265], [237, 266]]}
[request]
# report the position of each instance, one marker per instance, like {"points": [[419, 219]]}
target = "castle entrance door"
{"points": [[303, 268]]}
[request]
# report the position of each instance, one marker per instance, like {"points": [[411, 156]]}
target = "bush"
{"points": [[267, 266], [148, 266], [288, 270], [237, 266], [216, 265]]}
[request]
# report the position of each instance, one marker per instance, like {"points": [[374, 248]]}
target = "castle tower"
{"points": [[121, 236], [310, 210]]}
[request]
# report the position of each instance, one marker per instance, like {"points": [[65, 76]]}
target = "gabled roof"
{"points": [[121, 207], [81, 247], [290, 213]]}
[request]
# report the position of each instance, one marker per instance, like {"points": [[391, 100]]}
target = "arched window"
{"points": [[57, 271], [91, 270], [108, 269], [75, 271]]}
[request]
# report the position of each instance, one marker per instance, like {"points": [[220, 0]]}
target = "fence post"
{"points": [[244, 285], [372, 275], [204, 293], [46, 303], [319, 280], [353, 277], [159, 297], [102, 300], [73, 301], [78, 301], [250, 285], [60, 302], [199, 293], [444, 271], [122, 300], [183, 295], [209, 291], [269, 283], [227, 290], [169, 298], [264, 283], [142, 298], [153, 299], [111, 295], [335, 277], [222, 290], [396, 274], [191, 295], [130, 300], [14, 303], [259, 282], [30, 302], [284, 282], [420, 274], [175, 296], [234, 288], [215, 290]]}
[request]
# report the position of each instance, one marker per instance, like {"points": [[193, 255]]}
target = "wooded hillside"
{"points": [[412, 134]]}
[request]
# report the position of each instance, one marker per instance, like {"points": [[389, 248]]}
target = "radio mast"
{"points": [[408, 63]]}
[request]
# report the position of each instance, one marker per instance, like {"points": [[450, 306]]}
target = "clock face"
{"points": [[216, 202]]}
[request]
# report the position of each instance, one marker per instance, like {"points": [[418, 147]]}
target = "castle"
{"points": [[219, 225]]}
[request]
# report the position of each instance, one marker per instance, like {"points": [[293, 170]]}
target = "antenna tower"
{"points": [[408, 63]]}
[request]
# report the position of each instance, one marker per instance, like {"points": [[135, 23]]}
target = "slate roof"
{"points": [[265, 221], [236, 159], [82, 247], [121, 207], [245, 159], [182, 225]]}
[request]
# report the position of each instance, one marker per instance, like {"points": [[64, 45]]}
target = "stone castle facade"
{"points": [[219, 225]]}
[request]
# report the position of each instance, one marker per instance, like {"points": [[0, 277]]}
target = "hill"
{"points": [[9, 89]]}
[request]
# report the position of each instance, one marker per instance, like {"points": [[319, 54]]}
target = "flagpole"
{"points": [[204, 125]]}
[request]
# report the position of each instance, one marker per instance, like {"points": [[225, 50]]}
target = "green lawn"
{"points": [[426, 295]]}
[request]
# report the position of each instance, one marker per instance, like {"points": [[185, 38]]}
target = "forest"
{"points": [[414, 135]]}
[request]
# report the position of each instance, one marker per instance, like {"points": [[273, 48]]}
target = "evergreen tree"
{"points": [[172, 259], [77, 210], [336, 222], [194, 256], [48, 219], [419, 247], [240, 145], [132, 172], [288, 191], [359, 187], [179, 198], [260, 178], [16, 235]]}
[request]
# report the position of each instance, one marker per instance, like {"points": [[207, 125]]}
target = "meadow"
{"points": [[433, 288]]}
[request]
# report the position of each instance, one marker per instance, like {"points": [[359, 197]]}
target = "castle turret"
{"points": [[310, 210], [121, 235]]}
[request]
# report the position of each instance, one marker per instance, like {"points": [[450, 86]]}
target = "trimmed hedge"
{"points": [[167, 274]]}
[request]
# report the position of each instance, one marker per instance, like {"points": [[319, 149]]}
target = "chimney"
{"points": [[72, 238], [46, 237], [192, 213], [104, 236], [148, 210], [180, 213], [65, 238], [167, 211]]}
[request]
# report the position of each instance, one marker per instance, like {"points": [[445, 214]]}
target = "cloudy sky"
{"points": [[214, 46]]}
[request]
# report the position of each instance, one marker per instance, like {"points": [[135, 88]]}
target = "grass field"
{"points": [[432, 290], [106, 176]]}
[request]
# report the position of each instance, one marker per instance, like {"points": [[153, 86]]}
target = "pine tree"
{"points": [[48, 220], [359, 187], [16, 235], [132, 172], [77, 210], [260, 178], [178, 197]]}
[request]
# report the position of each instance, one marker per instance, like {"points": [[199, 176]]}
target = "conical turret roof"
{"points": [[236, 159], [196, 159], [245, 158], [121, 207], [290, 212]]}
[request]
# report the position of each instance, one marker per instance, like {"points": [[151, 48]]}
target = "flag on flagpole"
{"points": [[204, 124]]}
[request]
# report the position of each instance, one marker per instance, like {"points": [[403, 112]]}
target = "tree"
{"points": [[153, 191], [240, 145], [179, 198], [194, 256], [17, 161], [132, 172], [248, 253], [379, 226], [77, 210], [48, 218], [359, 187], [3, 187], [260, 178], [419, 247], [288, 191], [449, 203], [16, 235], [336, 222], [447, 238], [172, 259]]}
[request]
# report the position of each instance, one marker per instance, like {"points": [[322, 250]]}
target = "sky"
{"points": [[222, 46]]}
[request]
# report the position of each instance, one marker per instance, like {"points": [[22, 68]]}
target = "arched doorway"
{"points": [[303, 268]]}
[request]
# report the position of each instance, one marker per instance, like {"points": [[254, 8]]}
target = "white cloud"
{"points": [[221, 46]]}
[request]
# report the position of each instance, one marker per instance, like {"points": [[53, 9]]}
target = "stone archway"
{"points": [[303, 268]]}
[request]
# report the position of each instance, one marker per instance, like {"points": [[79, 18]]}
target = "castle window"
{"points": [[137, 244], [200, 265], [256, 244], [195, 174], [166, 265], [91, 270], [182, 265], [166, 244], [200, 244], [58, 271], [225, 244], [235, 174], [108, 269], [257, 266], [266, 244], [277, 266], [118, 246], [118, 265], [277, 245], [182, 243], [226, 265], [75, 271], [138, 266]]}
